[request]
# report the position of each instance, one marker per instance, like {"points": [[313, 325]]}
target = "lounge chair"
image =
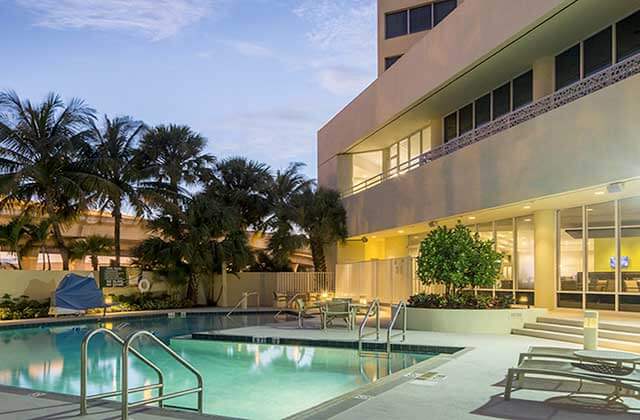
{"points": [[280, 300], [305, 311], [535, 370], [337, 309]]}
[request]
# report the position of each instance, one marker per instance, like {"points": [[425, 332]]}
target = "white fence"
{"points": [[305, 282]]}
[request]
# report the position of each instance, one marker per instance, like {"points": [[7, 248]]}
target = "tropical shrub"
{"points": [[147, 302], [457, 259], [459, 301], [22, 308]]}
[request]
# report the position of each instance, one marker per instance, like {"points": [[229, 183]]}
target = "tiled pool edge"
{"points": [[344, 344], [351, 399]]}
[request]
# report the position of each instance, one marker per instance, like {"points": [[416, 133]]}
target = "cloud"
{"points": [[154, 19], [343, 34], [249, 49]]}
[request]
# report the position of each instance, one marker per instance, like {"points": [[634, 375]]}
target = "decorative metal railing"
{"points": [[588, 85]]}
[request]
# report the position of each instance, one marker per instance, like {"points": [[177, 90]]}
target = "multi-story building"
{"points": [[519, 118]]}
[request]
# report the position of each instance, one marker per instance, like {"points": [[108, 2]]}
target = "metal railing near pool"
{"points": [[402, 306], [124, 389], [588, 85], [375, 305]]}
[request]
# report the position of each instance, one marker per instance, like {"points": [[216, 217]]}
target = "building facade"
{"points": [[522, 120]]}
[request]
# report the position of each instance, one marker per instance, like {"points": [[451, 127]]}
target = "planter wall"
{"points": [[470, 321]]}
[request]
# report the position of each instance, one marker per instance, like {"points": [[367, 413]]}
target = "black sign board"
{"points": [[113, 277]]}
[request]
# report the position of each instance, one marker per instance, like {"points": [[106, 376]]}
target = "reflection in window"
{"points": [[450, 127], [525, 249], [504, 244], [568, 67], [365, 166], [483, 110], [395, 24], [597, 52], [420, 19], [442, 9], [628, 36], [501, 100], [630, 245], [523, 90], [390, 61], [571, 249], [601, 247], [466, 119]]}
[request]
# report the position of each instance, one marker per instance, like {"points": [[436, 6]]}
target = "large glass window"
{"points": [[483, 110], [465, 116], [597, 52], [525, 252], [601, 247], [420, 18], [502, 100], [396, 24], [403, 154], [442, 9], [630, 245], [571, 249], [504, 244], [390, 61], [426, 139], [365, 166], [450, 126], [415, 149], [568, 67], [393, 158], [523, 90], [628, 36]]}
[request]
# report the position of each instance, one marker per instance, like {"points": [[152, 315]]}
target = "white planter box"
{"points": [[469, 321]]}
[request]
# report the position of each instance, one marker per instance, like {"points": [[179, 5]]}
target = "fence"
{"points": [[305, 282]]}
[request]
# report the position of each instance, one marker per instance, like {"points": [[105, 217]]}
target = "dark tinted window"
{"points": [[628, 36], [483, 110], [597, 52], [568, 67], [442, 9], [523, 90], [390, 61], [450, 127], [396, 24], [466, 118], [501, 100], [420, 19]]}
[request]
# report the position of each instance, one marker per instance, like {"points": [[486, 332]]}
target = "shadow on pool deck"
{"points": [[551, 409]]}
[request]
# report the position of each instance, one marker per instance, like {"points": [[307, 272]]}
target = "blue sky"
{"points": [[256, 77]]}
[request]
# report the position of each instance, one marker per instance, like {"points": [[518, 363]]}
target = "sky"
{"points": [[257, 78]]}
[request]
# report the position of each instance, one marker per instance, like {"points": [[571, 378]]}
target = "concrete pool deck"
{"points": [[467, 384]]}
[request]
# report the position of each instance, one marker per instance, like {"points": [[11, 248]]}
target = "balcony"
{"points": [[610, 76]]}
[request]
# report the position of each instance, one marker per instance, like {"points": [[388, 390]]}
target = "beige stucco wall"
{"points": [[471, 32], [591, 141]]}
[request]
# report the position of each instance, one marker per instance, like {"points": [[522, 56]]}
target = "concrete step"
{"points": [[565, 329], [578, 339], [603, 325]]}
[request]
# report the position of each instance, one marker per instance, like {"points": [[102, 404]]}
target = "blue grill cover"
{"points": [[78, 292]]}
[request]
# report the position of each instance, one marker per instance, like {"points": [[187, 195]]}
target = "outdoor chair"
{"points": [[280, 300], [304, 311], [337, 309]]}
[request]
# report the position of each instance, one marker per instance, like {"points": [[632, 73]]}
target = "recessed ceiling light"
{"points": [[472, 217], [374, 237], [527, 207], [401, 231], [527, 220], [589, 209], [599, 193]]}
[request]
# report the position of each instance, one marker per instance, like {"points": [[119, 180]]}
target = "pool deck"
{"points": [[468, 385]]}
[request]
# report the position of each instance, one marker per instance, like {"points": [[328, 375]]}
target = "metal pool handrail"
{"points": [[244, 298], [84, 373], [126, 348], [375, 304], [402, 306]]}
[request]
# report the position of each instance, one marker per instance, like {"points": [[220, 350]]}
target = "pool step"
{"points": [[610, 335]]}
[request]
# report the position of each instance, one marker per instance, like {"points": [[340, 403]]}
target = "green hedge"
{"points": [[22, 308], [459, 301]]}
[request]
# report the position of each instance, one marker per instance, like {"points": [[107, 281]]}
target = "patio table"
{"points": [[610, 363]]}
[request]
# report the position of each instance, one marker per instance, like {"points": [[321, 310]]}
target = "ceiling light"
{"points": [[401, 231], [374, 237], [589, 209], [472, 217], [527, 207], [527, 220], [599, 193]]}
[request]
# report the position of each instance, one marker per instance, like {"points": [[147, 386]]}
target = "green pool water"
{"points": [[241, 380]]}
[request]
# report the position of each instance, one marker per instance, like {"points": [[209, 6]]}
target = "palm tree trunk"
{"points": [[192, 289], [19, 260], [117, 217], [62, 247], [317, 254], [48, 261], [43, 251], [94, 262]]}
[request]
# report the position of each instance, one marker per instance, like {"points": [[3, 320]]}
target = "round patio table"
{"points": [[608, 362]]}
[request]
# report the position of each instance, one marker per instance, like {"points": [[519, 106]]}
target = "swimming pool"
{"points": [[241, 379]]}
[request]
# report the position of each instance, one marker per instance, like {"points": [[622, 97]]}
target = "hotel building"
{"points": [[519, 118]]}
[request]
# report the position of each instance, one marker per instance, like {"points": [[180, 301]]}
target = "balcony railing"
{"points": [[611, 75]]}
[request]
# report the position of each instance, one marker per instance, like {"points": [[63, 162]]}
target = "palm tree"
{"points": [[39, 234], [40, 166], [93, 246], [243, 185], [321, 216], [194, 243], [13, 236], [175, 155], [285, 237], [113, 158]]}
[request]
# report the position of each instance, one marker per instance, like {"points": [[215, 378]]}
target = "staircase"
{"points": [[610, 335]]}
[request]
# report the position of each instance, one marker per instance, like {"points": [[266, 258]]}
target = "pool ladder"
{"points": [[375, 306], [124, 368]]}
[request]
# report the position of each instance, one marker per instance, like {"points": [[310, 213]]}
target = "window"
{"points": [[601, 245], [630, 246], [523, 90], [395, 24], [501, 100], [442, 9], [403, 153], [466, 119], [525, 252], [390, 61], [571, 251], [568, 67], [420, 19], [415, 149], [597, 52], [450, 127], [483, 110], [426, 139], [504, 244], [628, 36]]}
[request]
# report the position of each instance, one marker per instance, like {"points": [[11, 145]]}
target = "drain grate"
{"points": [[426, 379]]}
